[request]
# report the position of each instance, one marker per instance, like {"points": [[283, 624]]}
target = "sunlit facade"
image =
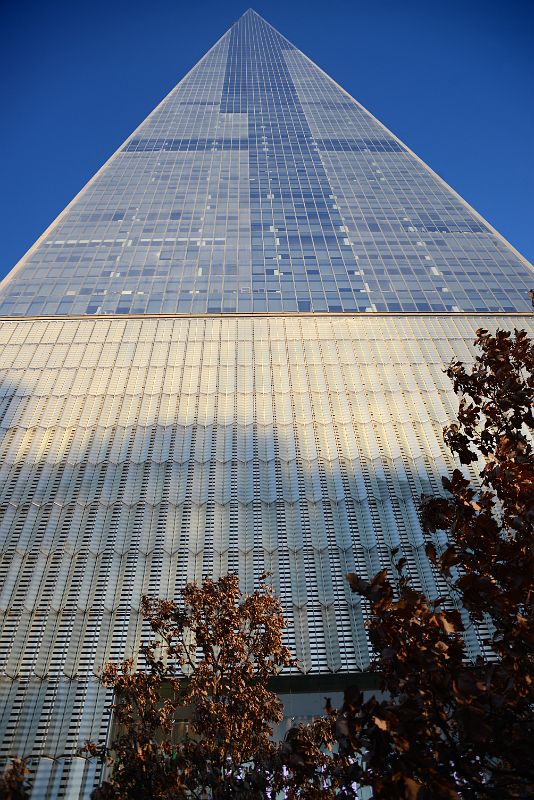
{"points": [[227, 354]]}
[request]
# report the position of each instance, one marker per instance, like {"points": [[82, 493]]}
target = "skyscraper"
{"points": [[226, 355]]}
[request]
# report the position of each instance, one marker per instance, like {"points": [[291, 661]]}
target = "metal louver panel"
{"points": [[300, 447]]}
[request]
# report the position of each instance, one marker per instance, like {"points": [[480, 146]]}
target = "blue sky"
{"points": [[453, 79]]}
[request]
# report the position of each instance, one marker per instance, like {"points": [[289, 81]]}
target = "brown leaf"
{"points": [[411, 788], [381, 723]]}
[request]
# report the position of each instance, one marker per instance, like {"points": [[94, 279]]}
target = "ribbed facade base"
{"points": [[140, 453]]}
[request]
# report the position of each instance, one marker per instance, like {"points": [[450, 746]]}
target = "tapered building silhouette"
{"points": [[227, 354]]}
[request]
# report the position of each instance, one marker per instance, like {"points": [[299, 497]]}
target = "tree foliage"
{"points": [[209, 662], [14, 781], [446, 727]]}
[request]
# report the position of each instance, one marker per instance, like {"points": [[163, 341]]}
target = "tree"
{"points": [[447, 728], [207, 670], [212, 654], [14, 781]]}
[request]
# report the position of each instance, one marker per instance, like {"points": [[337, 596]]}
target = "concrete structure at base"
{"points": [[226, 355], [137, 454]]}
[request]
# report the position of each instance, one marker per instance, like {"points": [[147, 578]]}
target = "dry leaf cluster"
{"points": [[197, 720]]}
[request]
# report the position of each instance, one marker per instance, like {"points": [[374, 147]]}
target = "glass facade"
{"points": [[259, 185]]}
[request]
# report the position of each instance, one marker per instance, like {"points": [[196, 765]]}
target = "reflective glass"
{"points": [[258, 184]]}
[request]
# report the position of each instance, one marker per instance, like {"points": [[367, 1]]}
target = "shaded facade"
{"points": [[226, 355]]}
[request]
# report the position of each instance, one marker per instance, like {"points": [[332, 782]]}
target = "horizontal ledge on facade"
{"points": [[271, 315], [312, 682], [324, 682]]}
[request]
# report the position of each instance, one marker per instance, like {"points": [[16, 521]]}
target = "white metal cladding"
{"points": [[137, 454]]}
